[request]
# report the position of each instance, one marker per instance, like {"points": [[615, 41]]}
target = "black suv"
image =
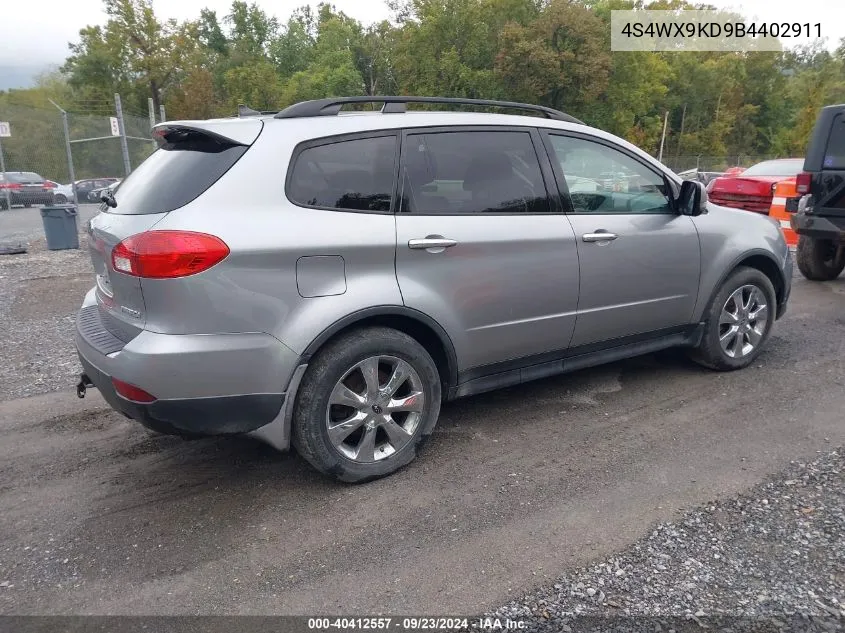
{"points": [[84, 188], [820, 220]]}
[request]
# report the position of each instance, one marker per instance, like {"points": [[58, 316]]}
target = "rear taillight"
{"points": [[168, 254], [10, 185], [131, 392], [49, 185], [802, 182]]}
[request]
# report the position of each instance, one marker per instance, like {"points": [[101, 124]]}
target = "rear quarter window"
{"points": [[175, 174], [350, 174], [835, 153]]}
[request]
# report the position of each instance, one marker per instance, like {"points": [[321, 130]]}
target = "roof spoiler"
{"points": [[229, 132]]}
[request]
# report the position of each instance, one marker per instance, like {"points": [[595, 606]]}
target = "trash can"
{"points": [[60, 226]]}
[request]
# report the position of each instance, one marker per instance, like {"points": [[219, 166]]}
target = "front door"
{"points": [[481, 248], [639, 259]]}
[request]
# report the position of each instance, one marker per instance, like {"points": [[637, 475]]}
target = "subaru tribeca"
{"points": [[327, 279]]}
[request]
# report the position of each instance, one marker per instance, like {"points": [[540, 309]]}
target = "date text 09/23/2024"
{"points": [[416, 624]]}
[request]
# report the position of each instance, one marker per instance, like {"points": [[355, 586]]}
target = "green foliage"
{"points": [[551, 52], [561, 59], [293, 49], [255, 84]]}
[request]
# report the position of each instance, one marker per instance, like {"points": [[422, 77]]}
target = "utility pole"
{"points": [[161, 112], [152, 109], [681, 133], [3, 171], [663, 136], [124, 146], [68, 151]]}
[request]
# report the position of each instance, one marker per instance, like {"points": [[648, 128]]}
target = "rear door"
{"points": [[482, 248], [187, 163], [83, 188], [639, 260]]}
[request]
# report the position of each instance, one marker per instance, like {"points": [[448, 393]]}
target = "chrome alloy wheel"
{"points": [[375, 408], [743, 321]]}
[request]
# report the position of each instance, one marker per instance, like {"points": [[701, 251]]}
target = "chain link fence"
{"points": [[96, 141], [102, 140], [714, 163]]}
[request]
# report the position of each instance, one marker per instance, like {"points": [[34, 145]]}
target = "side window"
{"points": [[601, 179], [835, 155], [357, 174], [472, 172]]}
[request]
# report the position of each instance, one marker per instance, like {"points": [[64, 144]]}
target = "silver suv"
{"points": [[328, 278]]}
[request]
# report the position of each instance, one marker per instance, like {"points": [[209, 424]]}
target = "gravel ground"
{"points": [[772, 559], [99, 517], [38, 348]]}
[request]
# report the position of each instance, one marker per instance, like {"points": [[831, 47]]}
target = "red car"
{"points": [[754, 188]]}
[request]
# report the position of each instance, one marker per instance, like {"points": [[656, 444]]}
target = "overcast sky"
{"points": [[42, 31]]}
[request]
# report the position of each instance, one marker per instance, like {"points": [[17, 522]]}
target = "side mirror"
{"points": [[692, 200]]}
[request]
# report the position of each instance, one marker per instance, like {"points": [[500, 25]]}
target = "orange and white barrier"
{"points": [[784, 204]]}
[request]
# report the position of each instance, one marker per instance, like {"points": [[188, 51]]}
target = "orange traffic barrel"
{"points": [[784, 204]]}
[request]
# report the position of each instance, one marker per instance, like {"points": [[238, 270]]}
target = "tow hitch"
{"points": [[83, 385]]}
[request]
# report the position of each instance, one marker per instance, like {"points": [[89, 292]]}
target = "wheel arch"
{"points": [[760, 260], [418, 325]]}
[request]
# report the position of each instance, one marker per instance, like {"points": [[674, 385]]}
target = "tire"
{"points": [[3, 205], [759, 292], [60, 198], [819, 260], [342, 364]]}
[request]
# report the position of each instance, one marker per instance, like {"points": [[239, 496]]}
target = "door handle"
{"points": [[431, 242], [599, 236]]}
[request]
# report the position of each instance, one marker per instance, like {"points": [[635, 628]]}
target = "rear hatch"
{"points": [[751, 194], [28, 185], [826, 162], [31, 183], [190, 158]]}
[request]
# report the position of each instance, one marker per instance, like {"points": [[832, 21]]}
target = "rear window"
{"points": [[23, 177], [185, 165], [776, 168], [834, 157]]}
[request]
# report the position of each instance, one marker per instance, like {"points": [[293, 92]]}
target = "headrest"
{"points": [[486, 168]]}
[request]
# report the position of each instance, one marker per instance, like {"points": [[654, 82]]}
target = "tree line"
{"points": [[548, 52]]}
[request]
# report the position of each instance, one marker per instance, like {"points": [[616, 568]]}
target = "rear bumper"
{"points": [[755, 206], [214, 384], [191, 417], [819, 226], [34, 197]]}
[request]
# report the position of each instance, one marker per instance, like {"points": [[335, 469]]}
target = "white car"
{"points": [[62, 193]]}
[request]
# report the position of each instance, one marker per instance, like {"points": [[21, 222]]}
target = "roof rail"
{"points": [[395, 104]]}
